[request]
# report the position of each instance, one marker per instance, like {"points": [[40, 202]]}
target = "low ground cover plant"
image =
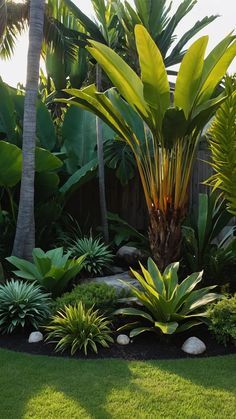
{"points": [[21, 305], [53, 270], [222, 317], [168, 307], [79, 329], [98, 255], [98, 295]]}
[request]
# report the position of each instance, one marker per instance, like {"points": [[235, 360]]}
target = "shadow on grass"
{"points": [[90, 384]]}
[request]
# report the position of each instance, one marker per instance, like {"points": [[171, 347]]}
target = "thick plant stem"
{"points": [[25, 229], [101, 174], [165, 237]]}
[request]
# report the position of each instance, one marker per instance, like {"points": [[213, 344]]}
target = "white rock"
{"points": [[35, 337], [194, 346], [123, 340]]}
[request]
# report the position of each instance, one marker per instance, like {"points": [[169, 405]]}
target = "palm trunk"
{"points": [[165, 237], [3, 20], [25, 230], [101, 174]]}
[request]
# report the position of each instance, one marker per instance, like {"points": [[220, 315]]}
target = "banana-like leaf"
{"points": [[7, 113], [80, 177], [189, 76], [156, 87], [46, 161], [10, 164], [121, 75], [45, 129]]}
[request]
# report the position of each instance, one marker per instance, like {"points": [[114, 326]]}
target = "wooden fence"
{"points": [[128, 201]]}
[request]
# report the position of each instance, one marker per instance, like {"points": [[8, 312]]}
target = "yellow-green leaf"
{"points": [[154, 75], [189, 76]]}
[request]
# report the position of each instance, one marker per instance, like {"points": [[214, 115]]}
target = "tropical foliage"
{"points": [[222, 317], [168, 307], [79, 329], [98, 255], [171, 129], [98, 295], [21, 305], [222, 143], [205, 244], [53, 269]]}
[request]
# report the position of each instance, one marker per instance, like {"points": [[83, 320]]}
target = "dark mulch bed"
{"points": [[144, 347]]}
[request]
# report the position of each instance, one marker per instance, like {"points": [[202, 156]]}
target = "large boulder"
{"points": [[194, 346]]}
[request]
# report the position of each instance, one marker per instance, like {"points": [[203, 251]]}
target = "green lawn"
{"points": [[41, 387]]}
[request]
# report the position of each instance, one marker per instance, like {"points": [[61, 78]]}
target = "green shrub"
{"points": [[98, 255], [222, 316], [52, 270], [101, 296], [169, 307], [22, 304], [77, 328]]}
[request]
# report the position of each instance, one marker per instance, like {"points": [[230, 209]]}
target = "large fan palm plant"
{"points": [[166, 153]]}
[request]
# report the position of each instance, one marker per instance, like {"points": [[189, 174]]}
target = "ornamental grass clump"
{"points": [[79, 329], [22, 305], [98, 255], [168, 307]]}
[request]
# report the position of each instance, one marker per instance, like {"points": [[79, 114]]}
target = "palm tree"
{"points": [[25, 232], [166, 150]]}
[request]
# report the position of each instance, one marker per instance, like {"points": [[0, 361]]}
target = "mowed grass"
{"points": [[42, 387]]}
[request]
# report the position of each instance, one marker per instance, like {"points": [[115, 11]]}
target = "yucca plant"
{"points": [[166, 151], [168, 307], [53, 270], [77, 328], [98, 255], [21, 305], [222, 144]]}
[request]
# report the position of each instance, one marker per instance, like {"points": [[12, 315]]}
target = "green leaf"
{"points": [[45, 129], [7, 112], [154, 76], [121, 75], [80, 177], [167, 328], [189, 76], [10, 164], [46, 161], [134, 312]]}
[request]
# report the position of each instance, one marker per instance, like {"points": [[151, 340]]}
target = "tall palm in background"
{"points": [[25, 232]]}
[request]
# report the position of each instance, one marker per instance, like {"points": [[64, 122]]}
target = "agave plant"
{"points": [[168, 307], [222, 144], [22, 304], [53, 270], [77, 328], [171, 128], [98, 255]]}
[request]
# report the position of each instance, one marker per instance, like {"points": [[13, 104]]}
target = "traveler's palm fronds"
{"points": [[165, 149], [222, 142]]}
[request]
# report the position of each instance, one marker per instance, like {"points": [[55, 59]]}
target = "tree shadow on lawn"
{"points": [[88, 383], [27, 382], [218, 372]]}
